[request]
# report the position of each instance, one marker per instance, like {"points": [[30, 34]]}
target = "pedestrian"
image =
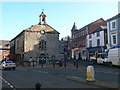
{"points": [[60, 63], [30, 60]]}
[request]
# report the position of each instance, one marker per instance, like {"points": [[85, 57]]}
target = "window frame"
{"points": [[98, 34], [111, 25], [90, 36], [90, 43], [98, 43], [114, 42], [43, 44]]}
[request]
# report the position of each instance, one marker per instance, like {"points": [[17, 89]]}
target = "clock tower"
{"points": [[42, 19]]}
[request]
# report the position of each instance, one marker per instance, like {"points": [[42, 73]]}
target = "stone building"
{"points": [[38, 41]]}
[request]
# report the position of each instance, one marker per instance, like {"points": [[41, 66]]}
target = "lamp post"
{"points": [[76, 55], [65, 59]]}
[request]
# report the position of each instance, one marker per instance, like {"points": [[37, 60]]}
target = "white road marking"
{"points": [[8, 83], [39, 71], [108, 72]]}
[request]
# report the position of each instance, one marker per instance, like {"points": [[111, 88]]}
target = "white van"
{"points": [[102, 58], [114, 56]]}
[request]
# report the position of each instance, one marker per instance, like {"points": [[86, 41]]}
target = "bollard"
{"points": [[90, 73], [38, 86], [53, 64], [42, 65], [33, 64]]}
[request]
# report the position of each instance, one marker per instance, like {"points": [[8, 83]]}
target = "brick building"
{"points": [[4, 50], [78, 36]]}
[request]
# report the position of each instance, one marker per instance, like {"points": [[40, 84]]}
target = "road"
{"points": [[27, 78], [49, 77]]}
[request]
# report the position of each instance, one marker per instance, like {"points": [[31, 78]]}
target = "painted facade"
{"points": [[113, 25], [97, 41]]}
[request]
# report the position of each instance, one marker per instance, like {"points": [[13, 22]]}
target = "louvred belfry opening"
{"points": [[42, 18]]}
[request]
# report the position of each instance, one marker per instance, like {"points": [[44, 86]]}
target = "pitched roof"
{"points": [[39, 27], [36, 28], [114, 17], [91, 23], [74, 27], [100, 28], [5, 44], [94, 25], [42, 14]]}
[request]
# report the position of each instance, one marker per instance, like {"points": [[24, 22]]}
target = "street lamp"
{"points": [[76, 55], [65, 59]]}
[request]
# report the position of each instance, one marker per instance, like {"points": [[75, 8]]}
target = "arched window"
{"points": [[42, 44]]}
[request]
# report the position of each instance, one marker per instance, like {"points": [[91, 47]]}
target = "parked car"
{"points": [[114, 56], [92, 59], [8, 65], [102, 58]]}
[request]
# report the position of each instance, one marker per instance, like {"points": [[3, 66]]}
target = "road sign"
{"points": [[76, 48]]}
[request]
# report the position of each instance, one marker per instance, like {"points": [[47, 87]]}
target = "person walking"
{"points": [[30, 60]]}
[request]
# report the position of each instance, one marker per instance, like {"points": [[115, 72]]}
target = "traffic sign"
{"points": [[76, 48]]}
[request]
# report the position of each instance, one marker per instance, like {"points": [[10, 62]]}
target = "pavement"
{"points": [[97, 83]]}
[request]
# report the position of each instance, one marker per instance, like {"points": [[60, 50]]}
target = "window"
{"points": [[98, 42], [17, 44], [90, 36], [42, 44], [0, 45], [114, 39], [113, 25], [90, 43], [5, 52], [98, 34], [0, 52]]}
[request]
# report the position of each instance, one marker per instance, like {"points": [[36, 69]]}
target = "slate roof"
{"points": [[91, 23], [100, 28], [114, 17], [5, 44], [39, 27], [42, 14], [74, 27]]}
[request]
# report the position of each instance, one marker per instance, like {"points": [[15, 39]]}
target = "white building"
{"points": [[97, 40]]}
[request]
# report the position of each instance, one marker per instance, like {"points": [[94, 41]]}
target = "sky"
{"points": [[17, 16]]}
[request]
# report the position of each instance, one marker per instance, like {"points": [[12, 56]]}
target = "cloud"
{"points": [[64, 28]]}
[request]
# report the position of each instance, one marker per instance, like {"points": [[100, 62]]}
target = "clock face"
{"points": [[42, 32]]}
